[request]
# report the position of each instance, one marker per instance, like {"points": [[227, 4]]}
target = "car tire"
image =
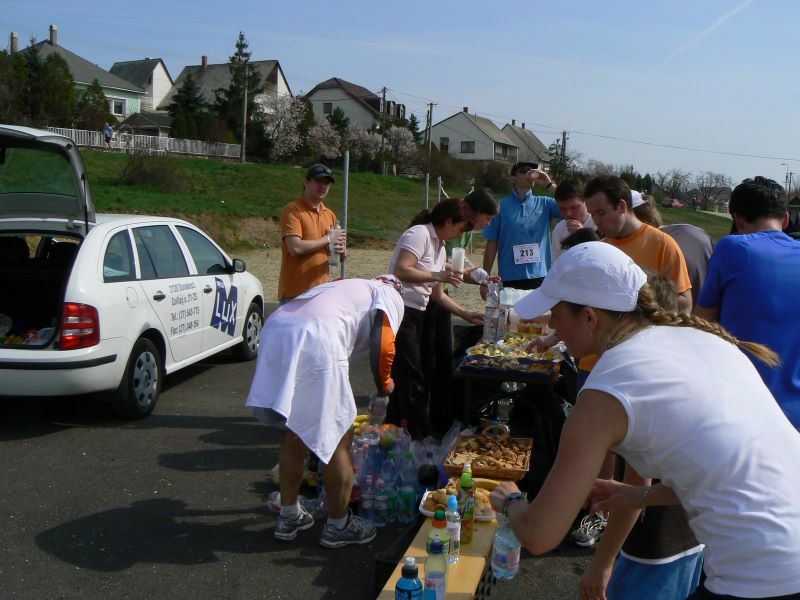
{"points": [[140, 387], [251, 334]]}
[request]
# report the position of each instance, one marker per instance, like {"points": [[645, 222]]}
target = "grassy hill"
{"points": [[222, 197]]}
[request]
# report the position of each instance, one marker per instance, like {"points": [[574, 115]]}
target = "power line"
{"points": [[557, 128]]}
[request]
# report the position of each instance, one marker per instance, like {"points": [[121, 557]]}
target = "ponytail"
{"points": [[648, 311], [423, 217]]}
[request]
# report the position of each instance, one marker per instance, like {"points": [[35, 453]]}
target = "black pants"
{"points": [[437, 363], [524, 284], [409, 400]]}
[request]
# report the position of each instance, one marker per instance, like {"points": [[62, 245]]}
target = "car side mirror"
{"points": [[239, 265]]}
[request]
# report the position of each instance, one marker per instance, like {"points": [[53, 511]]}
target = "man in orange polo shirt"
{"points": [[305, 228]]}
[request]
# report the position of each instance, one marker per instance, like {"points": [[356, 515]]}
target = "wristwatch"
{"points": [[510, 499]]}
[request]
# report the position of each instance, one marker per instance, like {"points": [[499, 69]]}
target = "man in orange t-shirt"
{"points": [[305, 225], [608, 200]]}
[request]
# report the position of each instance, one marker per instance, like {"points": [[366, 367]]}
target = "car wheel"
{"points": [[141, 385], [251, 336]]}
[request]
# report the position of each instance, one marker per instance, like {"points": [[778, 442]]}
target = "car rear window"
{"points": [[29, 170]]}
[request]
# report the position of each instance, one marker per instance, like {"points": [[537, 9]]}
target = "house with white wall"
{"points": [[364, 108], [124, 98], [211, 77], [150, 74], [470, 137], [531, 148]]}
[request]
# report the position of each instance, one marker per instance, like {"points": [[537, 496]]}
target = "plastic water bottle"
{"points": [[408, 587], [377, 414], [480, 275], [435, 572], [408, 489], [318, 506], [439, 532], [391, 477], [466, 506], [453, 528], [403, 439], [491, 317], [381, 504], [505, 550], [333, 237], [355, 493], [366, 509]]}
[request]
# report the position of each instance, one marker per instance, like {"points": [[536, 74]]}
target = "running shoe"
{"points": [[357, 531], [286, 529], [590, 530]]}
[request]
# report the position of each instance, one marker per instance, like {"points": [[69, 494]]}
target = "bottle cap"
{"points": [[410, 567], [439, 518], [452, 502], [436, 545]]}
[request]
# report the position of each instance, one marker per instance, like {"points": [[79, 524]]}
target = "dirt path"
{"points": [[361, 262]]}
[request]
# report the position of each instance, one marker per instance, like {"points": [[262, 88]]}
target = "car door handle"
{"points": [[208, 289], [159, 296]]}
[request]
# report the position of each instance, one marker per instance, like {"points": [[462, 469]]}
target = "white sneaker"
{"points": [[590, 530]]}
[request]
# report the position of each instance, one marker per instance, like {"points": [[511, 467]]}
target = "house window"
{"points": [[444, 145], [327, 107], [117, 106], [467, 147]]}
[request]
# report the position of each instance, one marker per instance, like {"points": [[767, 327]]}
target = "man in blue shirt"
{"points": [[519, 236], [753, 286]]}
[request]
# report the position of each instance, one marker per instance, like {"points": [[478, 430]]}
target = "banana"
{"points": [[486, 484]]}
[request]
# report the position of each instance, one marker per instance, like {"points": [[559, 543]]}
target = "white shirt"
{"points": [[431, 255], [560, 232], [302, 370], [701, 419]]}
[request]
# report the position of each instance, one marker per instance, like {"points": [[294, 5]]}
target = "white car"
{"points": [[105, 303]]}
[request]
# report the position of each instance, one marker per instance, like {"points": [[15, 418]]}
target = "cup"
{"points": [[458, 260]]}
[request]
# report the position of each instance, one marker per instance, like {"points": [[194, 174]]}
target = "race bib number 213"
{"points": [[526, 253]]}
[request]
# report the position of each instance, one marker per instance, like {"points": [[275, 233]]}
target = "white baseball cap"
{"points": [[594, 274], [636, 199]]}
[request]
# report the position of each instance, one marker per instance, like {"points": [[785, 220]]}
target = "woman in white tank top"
{"points": [[678, 399]]}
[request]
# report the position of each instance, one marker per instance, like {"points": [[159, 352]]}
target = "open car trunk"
{"points": [[34, 270]]}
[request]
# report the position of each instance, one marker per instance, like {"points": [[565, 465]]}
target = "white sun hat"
{"points": [[636, 199], [593, 274]]}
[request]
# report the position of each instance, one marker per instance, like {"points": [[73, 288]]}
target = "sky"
{"points": [[656, 84]]}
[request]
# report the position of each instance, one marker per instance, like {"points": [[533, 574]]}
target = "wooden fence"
{"points": [[148, 144]]}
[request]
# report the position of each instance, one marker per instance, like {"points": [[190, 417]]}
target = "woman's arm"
{"points": [[407, 271], [597, 423], [620, 523], [447, 303]]}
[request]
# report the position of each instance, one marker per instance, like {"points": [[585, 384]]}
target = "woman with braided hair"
{"points": [[713, 435]]}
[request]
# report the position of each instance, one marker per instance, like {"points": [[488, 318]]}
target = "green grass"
{"points": [[379, 207]]}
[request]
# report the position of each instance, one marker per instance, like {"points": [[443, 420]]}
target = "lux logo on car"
{"points": [[225, 304]]}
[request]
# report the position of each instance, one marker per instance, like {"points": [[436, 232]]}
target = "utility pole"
{"points": [[383, 129], [563, 148], [428, 133], [244, 113]]}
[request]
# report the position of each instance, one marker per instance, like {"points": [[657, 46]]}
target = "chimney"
{"points": [[523, 125], [53, 35], [513, 122], [14, 42], [204, 62], [466, 109]]}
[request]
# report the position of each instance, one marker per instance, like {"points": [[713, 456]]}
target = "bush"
{"points": [[158, 173]]}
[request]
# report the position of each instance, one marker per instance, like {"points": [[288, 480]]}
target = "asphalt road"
{"points": [[173, 506]]}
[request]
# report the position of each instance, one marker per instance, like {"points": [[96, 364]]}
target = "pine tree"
{"points": [[188, 112], [57, 90], [13, 85], [229, 103], [413, 126], [92, 110], [339, 121]]}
